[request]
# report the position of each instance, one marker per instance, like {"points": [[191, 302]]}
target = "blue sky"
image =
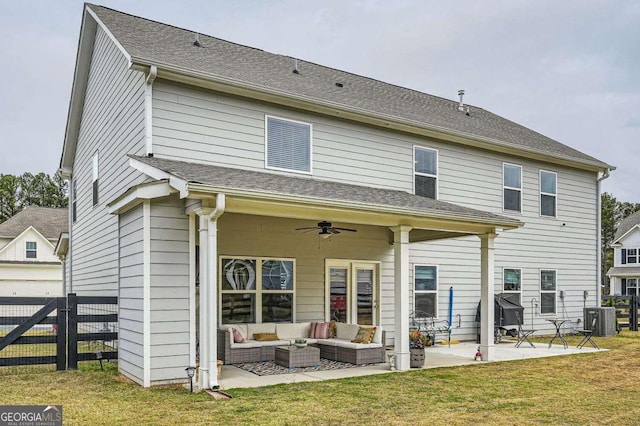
{"points": [[565, 69]]}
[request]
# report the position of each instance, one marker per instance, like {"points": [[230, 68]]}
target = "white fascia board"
{"points": [[195, 187], [136, 195], [62, 244], [109, 33], [623, 236], [179, 184], [30, 228], [148, 170]]}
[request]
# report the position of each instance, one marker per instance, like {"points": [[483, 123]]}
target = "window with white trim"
{"points": [[425, 171], [288, 145], [630, 286], [256, 290], [631, 255], [94, 182], [548, 288], [548, 193], [512, 282], [31, 250], [425, 290], [512, 187]]}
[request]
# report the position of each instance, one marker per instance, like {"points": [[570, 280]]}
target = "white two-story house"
{"points": [[625, 273], [194, 162], [29, 266]]}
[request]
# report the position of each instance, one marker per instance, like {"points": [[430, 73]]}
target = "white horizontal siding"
{"points": [[169, 289], [131, 246], [112, 126]]}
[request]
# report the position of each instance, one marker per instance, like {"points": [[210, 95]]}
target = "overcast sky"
{"points": [[567, 69]]}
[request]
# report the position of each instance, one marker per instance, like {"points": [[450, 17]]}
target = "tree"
{"points": [[18, 192], [608, 227]]}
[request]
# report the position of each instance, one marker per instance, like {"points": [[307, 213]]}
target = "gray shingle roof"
{"points": [[627, 223], [622, 270], [149, 42], [246, 180], [49, 221]]}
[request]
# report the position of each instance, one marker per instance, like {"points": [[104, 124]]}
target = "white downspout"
{"points": [[209, 294], [148, 109], [599, 236]]}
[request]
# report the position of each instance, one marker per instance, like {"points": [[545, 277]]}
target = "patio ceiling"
{"points": [[279, 195]]}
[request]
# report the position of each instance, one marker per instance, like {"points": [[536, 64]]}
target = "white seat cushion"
{"points": [[289, 331]]}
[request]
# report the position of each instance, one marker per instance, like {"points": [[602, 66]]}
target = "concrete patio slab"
{"points": [[436, 357]]}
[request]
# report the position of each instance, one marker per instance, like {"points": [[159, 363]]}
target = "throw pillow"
{"points": [[265, 337], [312, 330], [321, 330], [237, 336], [365, 335], [333, 329]]}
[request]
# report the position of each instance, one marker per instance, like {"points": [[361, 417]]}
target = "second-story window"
{"points": [[94, 182], [631, 255], [512, 187], [425, 172], [548, 192], [31, 250], [288, 145]]}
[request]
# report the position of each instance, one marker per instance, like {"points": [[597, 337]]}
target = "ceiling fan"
{"points": [[326, 229]]}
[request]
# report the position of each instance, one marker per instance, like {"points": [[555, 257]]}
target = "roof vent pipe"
{"points": [[295, 66], [196, 41], [461, 104]]}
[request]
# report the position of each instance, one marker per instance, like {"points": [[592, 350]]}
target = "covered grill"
{"points": [[507, 311]]}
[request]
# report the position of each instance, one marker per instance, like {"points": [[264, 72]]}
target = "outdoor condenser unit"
{"points": [[606, 322]]}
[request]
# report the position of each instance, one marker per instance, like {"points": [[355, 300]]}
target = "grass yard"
{"points": [[595, 388]]}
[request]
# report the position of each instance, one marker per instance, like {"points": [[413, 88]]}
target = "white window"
{"points": [[512, 282], [256, 290], [425, 170], [94, 182], [288, 145], [630, 256], [31, 251], [548, 289], [425, 286], [548, 193], [512, 187], [630, 286]]}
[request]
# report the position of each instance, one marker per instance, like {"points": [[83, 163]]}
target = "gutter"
{"points": [[599, 180]]}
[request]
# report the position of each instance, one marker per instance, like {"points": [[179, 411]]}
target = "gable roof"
{"points": [[242, 182], [148, 43], [48, 221], [626, 225]]}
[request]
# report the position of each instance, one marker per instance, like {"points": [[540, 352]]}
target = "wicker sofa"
{"points": [[340, 348]]}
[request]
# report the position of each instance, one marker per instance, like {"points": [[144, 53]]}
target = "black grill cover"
{"points": [[507, 310]]}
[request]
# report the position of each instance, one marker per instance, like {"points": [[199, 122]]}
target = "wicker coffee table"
{"points": [[292, 356]]}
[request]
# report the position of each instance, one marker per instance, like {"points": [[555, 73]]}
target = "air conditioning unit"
{"points": [[605, 322]]}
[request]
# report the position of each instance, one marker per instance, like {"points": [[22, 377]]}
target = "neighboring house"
{"points": [[28, 265], [625, 273], [193, 161]]}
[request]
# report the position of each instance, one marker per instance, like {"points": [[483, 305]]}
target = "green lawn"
{"points": [[590, 388]]}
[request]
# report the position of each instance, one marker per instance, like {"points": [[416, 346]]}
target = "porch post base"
{"points": [[402, 361], [488, 352]]}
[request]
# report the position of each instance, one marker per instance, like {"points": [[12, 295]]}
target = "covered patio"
{"points": [[437, 356], [219, 201]]}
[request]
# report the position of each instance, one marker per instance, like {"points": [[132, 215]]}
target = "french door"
{"points": [[352, 291]]}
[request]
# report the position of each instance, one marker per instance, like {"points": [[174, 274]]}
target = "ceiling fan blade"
{"points": [[346, 229], [307, 228], [333, 231]]}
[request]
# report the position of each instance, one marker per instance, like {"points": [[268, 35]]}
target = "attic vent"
{"points": [[295, 67], [339, 85], [196, 40]]}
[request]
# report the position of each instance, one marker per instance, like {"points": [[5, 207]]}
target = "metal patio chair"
{"points": [[588, 334], [523, 335]]}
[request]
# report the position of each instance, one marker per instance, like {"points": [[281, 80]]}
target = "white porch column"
{"points": [[401, 295], [487, 284]]}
